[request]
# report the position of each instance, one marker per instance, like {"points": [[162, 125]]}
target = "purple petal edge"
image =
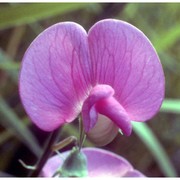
{"points": [[101, 163], [54, 79]]}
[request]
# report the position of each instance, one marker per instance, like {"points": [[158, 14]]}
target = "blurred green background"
{"points": [[153, 148]]}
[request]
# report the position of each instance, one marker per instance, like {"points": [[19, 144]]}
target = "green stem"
{"points": [[82, 135], [46, 154]]}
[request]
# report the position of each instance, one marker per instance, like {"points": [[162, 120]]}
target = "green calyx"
{"points": [[75, 165]]}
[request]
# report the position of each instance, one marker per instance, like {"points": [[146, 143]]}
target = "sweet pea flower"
{"points": [[113, 70], [100, 163]]}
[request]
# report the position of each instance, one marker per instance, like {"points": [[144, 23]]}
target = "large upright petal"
{"points": [[55, 75], [123, 57]]}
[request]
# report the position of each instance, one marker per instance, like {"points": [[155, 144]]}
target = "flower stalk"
{"points": [[46, 154]]}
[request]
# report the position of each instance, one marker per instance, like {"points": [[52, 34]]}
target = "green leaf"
{"points": [[167, 38], [150, 140], [29, 13], [7, 64], [4, 136], [10, 120], [171, 105]]}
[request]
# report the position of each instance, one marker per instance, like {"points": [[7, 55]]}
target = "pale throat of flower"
{"points": [[103, 115]]}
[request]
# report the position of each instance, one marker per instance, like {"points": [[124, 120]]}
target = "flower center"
{"points": [[101, 100]]}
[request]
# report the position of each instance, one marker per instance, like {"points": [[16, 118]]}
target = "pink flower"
{"points": [[112, 70], [100, 163]]}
